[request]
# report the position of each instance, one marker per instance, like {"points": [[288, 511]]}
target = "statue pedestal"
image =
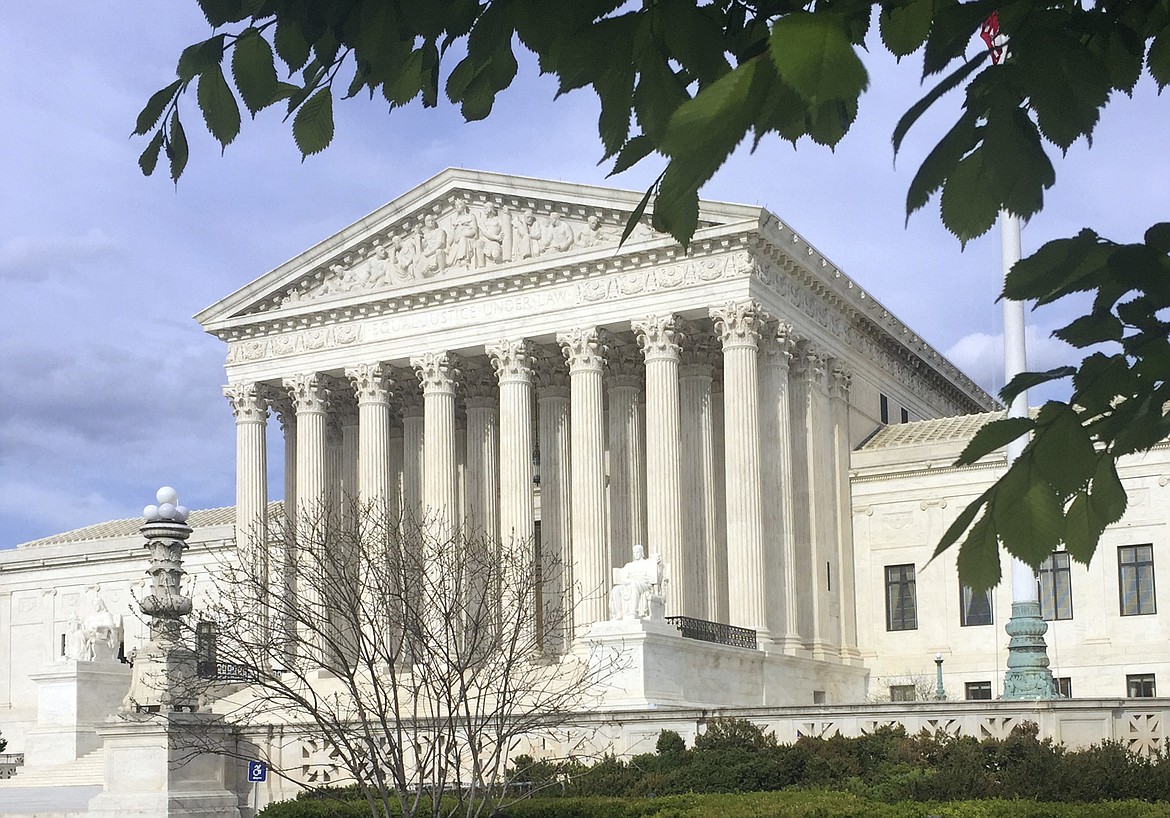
{"points": [[73, 700], [157, 767], [647, 663]]}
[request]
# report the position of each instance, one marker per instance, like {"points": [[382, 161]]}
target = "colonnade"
{"points": [[721, 443]]}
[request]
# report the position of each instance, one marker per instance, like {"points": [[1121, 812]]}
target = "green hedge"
{"points": [[788, 804]]}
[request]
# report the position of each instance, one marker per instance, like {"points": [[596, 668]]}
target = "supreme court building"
{"points": [[485, 350]]}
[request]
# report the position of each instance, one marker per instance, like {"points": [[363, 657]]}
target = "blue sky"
{"points": [[110, 389]]}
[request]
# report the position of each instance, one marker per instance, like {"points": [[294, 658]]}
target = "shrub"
{"points": [[729, 733]]}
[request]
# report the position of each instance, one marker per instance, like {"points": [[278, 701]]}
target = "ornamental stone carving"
{"points": [[584, 348], [639, 587], [436, 371], [309, 393], [512, 360], [736, 324], [840, 379], [658, 337], [249, 401], [372, 383]]}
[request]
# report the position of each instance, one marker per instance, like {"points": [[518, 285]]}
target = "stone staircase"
{"points": [[85, 771]]}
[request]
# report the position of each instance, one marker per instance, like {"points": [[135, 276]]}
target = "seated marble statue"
{"points": [[102, 633], [638, 588]]}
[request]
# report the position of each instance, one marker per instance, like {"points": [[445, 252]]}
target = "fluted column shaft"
{"points": [[717, 590], [555, 501], [250, 408], [625, 373], [746, 563], [776, 435], [512, 361], [657, 336], [803, 527], [585, 352], [839, 383], [483, 464], [437, 375], [412, 461], [698, 487], [372, 385]]}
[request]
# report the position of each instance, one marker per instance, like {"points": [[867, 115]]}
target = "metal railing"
{"points": [[8, 764], [226, 672], [716, 632]]}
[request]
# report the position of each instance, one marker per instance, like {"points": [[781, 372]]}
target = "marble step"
{"points": [[89, 769]]}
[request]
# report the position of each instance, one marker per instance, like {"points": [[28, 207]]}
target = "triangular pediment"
{"points": [[459, 225]]}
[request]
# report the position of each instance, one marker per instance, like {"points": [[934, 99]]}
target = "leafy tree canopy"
{"points": [[684, 83]]}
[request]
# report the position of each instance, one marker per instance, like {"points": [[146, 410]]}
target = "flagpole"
{"points": [[1028, 675]]}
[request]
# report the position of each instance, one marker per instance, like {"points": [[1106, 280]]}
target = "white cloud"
{"points": [[32, 259], [980, 355]]}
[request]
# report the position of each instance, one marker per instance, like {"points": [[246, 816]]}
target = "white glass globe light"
{"points": [[150, 513], [166, 495]]}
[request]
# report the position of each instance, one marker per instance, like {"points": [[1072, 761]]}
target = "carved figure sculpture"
{"points": [[464, 237], [528, 236], [76, 644], [559, 236], [102, 633], [492, 239], [592, 234], [433, 257], [637, 588]]}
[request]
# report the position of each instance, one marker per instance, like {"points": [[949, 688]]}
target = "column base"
{"points": [[1028, 675]]}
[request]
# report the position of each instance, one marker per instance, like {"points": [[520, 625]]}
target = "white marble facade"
{"points": [[701, 403]]}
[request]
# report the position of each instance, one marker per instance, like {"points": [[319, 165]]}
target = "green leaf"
{"points": [[408, 81], [1028, 515], [916, 110], [812, 53], [1091, 329], [1026, 380], [1083, 528], [1158, 59], [969, 204], [992, 436], [978, 562], [632, 153], [153, 110], [1067, 84], [1062, 450], [636, 216], [313, 124], [1158, 237], [199, 57], [176, 146], [961, 523], [290, 43], [254, 70], [149, 158], [905, 26], [219, 12], [218, 104], [940, 161], [1107, 493]]}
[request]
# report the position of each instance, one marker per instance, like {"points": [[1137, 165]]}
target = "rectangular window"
{"points": [[901, 599], [975, 609], [1140, 686], [884, 403], [1135, 579], [903, 693], [905, 415], [1055, 580], [1064, 687], [978, 691], [205, 652]]}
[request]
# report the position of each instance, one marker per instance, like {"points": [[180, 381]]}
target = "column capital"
{"points": [[512, 360], [840, 379], [282, 407], [437, 372], [777, 344], [658, 337], [584, 348], [625, 367], [808, 364], [480, 388], [552, 378], [249, 401], [372, 383], [737, 324], [309, 393], [697, 346]]}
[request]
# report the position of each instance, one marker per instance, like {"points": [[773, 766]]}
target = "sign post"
{"points": [[257, 772]]}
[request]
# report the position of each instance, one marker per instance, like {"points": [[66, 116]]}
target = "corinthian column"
{"points": [[372, 384], [412, 455], [746, 564], [697, 452], [250, 407], [556, 497], [512, 361], [776, 347], [627, 507], [839, 382], [585, 352], [482, 491], [437, 373], [658, 337]]}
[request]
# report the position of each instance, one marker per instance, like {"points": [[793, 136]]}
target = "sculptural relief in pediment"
{"points": [[456, 237]]}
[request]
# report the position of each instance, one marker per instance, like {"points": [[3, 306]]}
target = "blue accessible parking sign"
{"points": [[257, 771]]}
